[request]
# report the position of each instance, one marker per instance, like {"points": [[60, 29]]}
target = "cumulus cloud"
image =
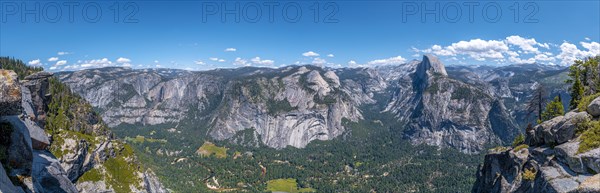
{"points": [[241, 62], [569, 52], [52, 59], [63, 53], [123, 60], [257, 60], [330, 55], [388, 61], [34, 62], [319, 61], [230, 50], [527, 45], [214, 59], [199, 62], [310, 54], [60, 63], [96, 63]]}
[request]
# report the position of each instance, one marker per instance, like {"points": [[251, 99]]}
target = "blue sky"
{"points": [[191, 34]]}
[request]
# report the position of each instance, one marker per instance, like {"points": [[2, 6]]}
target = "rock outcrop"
{"points": [[549, 161], [27, 144], [10, 97]]}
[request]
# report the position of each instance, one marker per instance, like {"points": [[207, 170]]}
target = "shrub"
{"points": [[520, 147], [590, 139], [529, 174], [585, 102], [518, 140]]}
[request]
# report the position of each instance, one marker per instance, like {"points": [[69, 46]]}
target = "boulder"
{"points": [[594, 107], [555, 131], [590, 185], [567, 153], [591, 160], [5, 184], [10, 93], [48, 175], [20, 150]]}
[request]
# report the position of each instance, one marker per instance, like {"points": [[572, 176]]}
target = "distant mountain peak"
{"points": [[431, 62]]}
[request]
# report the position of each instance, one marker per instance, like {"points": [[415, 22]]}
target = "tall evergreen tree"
{"points": [[553, 109], [577, 89], [537, 102]]}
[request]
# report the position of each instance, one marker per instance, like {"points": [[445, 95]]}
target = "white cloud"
{"points": [[569, 52], [319, 61], [52, 59], [257, 60], [587, 38], [123, 60], [330, 55], [63, 53], [53, 68], [214, 59], [155, 61], [60, 63], [230, 50], [97, 63], [34, 62], [310, 54], [221, 60], [198, 62], [525, 44], [352, 63], [477, 49], [241, 62], [388, 61]]}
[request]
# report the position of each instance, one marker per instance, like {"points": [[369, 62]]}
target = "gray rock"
{"points": [[39, 138], [20, 150], [590, 185], [48, 175], [10, 93], [591, 160], [557, 130], [6, 185], [567, 153], [594, 107], [39, 88], [152, 184], [93, 187]]}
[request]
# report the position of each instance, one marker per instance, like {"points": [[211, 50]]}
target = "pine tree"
{"points": [[537, 102], [553, 109], [577, 90]]}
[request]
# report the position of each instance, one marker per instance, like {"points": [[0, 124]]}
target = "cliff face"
{"points": [[298, 104], [551, 160], [449, 113], [62, 160]]}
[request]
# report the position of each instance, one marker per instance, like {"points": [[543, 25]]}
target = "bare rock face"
{"points": [[5, 184], [37, 87], [449, 113], [152, 184], [292, 110], [20, 154], [10, 93], [48, 175]]}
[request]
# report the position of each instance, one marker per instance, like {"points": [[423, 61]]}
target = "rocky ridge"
{"points": [[292, 106], [40, 162], [551, 159]]}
